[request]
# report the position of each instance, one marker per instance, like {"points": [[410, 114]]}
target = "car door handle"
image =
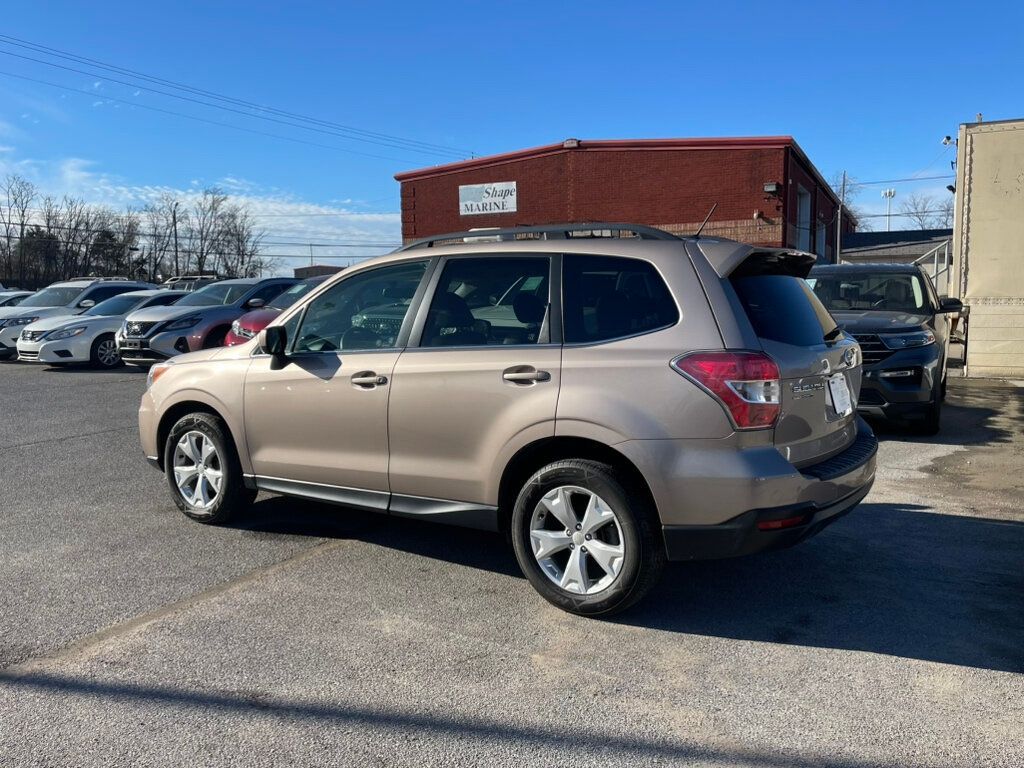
{"points": [[518, 375], [368, 379]]}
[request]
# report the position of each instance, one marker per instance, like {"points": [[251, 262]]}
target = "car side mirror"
{"points": [[86, 304], [273, 340], [254, 303], [947, 304]]}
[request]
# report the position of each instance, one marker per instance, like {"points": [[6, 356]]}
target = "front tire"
{"points": [[585, 537], [932, 420], [104, 353], [203, 471]]}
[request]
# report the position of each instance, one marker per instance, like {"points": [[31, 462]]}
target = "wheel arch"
{"points": [[539, 453], [174, 412]]}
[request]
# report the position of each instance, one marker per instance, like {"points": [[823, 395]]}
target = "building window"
{"points": [[803, 219]]}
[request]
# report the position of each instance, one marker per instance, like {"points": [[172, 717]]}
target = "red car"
{"points": [[251, 323]]}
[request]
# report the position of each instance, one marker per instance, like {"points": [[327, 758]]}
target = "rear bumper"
{"points": [[744, 536], [723, 503]]}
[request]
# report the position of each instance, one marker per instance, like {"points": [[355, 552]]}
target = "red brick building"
{"points": [[766, 189]]}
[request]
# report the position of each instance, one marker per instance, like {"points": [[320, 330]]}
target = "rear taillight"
{"points": [[745, 383]]}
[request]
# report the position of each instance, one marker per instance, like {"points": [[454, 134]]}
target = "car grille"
{"points": [[384, 326], [32, 335], [28, 355], [136, 328], [872, 348]]}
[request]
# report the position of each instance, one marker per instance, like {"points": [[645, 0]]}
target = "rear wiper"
{"points": [[835, 333]]}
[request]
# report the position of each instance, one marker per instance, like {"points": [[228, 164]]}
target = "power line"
{"points": [[58, 53], [390, 145], [94, 95], [908, 179]]}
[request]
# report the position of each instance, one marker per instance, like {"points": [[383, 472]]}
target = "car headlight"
{"points": [[65, 333], [907, 340], [21, 320], [156, 371], [182, 323], [238, 330]]}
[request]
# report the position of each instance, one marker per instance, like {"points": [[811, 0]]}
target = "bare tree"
{"points": [[19, 196], [928, 213], [68, 237], [241, 243], [206, 230], [944, 218]]}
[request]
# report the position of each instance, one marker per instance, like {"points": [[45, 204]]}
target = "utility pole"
{"points": [[888, 194], [174, 223], [839, 223]]}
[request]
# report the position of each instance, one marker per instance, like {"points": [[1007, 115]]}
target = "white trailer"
{"points": [[988, 246]]}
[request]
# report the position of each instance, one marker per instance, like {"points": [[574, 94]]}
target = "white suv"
{"points": [[71, 297], [88, 337]]}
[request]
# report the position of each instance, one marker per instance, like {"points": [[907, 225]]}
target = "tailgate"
{"points": [[820, 366]]}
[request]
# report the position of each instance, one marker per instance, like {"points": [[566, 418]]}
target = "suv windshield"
{"points": [[879, 291], [118, 305], [218, 293], [54, 296]]}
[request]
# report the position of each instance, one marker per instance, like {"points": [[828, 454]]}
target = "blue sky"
{"points": [[868, 87]]}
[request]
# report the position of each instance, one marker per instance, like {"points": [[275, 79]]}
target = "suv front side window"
{"points": [[609, 297], [489, 301], [363, 312]]}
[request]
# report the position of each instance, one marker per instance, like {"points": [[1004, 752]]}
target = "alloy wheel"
{"points": [[106, 353], [576, 540], [198, 471]]}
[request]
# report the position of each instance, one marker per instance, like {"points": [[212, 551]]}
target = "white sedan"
{"points": [[88, 337]]}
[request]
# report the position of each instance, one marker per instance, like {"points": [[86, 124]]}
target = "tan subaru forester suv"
{"points": [[609, 395]]}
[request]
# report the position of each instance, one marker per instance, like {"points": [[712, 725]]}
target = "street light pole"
{"points": [[888, 194]]}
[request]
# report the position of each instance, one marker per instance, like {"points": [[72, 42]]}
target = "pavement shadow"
{"points": [[397, 724], [970, 416], [463, 546], [894, 579]]}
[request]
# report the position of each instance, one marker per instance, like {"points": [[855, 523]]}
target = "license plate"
{"points": [[127, 344], [840, 393]]}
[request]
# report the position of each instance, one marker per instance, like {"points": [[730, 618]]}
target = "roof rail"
{"points": [[94, 278], [543, 232]]}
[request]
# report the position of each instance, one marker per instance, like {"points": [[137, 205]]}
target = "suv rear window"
{"points": [[608, 297], [784, 309]]}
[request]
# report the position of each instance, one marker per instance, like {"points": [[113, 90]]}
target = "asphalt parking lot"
{"points": [[312, 635]]}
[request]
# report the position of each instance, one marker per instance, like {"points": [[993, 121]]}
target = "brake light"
{"points": [[747, 384]]}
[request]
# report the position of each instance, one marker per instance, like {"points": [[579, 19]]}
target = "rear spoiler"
{"points": [[732, 259]]}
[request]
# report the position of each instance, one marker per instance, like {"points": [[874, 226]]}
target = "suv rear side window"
{"points": [[784, 308], [608, 297]]}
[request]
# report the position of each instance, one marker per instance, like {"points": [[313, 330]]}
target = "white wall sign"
{"points": [[497, 197]]}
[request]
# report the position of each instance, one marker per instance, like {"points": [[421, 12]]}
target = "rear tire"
{"points": [[570, 505], [104, 353], [203, 471]]}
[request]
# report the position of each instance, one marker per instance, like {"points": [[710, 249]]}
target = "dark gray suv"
{"points": [[902, 326]]}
